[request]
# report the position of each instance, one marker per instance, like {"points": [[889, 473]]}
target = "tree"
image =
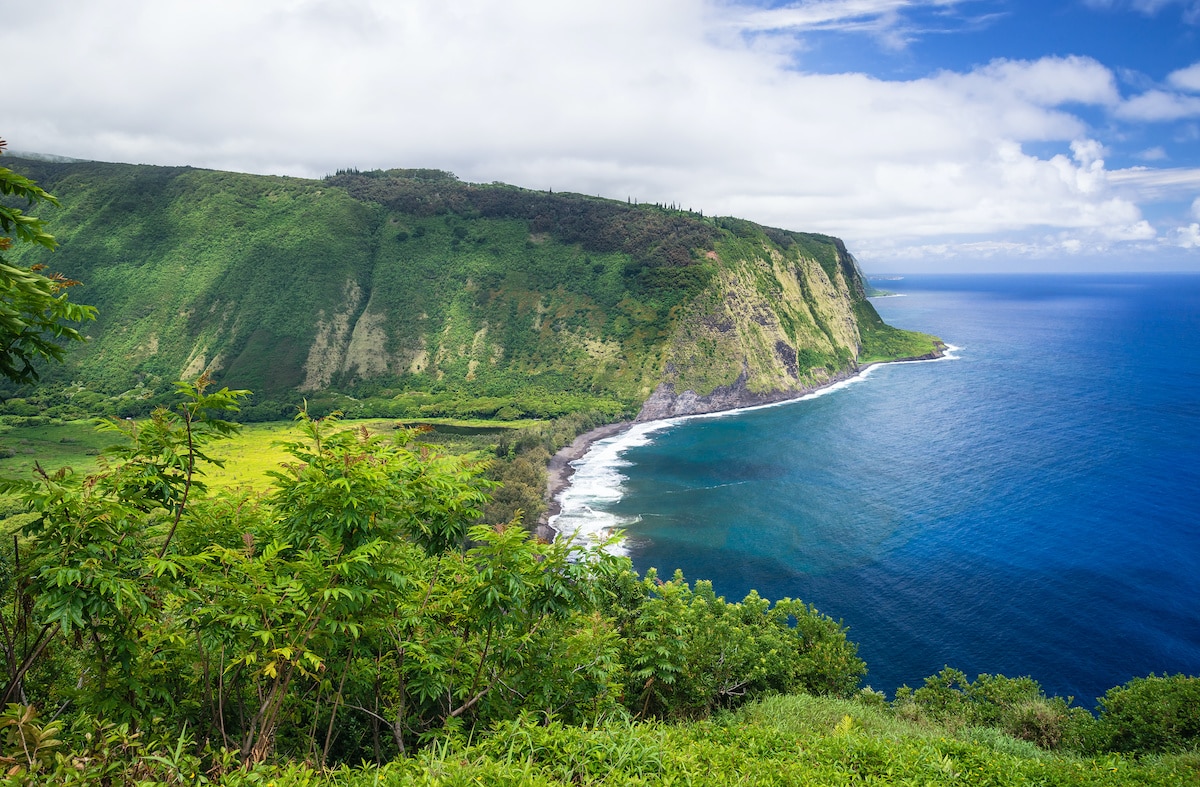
{"points": [[34, 309]]}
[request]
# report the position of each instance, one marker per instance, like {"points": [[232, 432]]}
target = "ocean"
{"points": [[1028, 506]]}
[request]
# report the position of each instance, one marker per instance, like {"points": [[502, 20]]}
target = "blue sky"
{"points": [[1142, 43], [929, 134]]}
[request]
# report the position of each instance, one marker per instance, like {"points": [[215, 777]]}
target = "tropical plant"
{"points": [[689, 652], [34, 308]]}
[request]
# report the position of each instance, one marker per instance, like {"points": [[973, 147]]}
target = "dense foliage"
{"points": [[34, 308], [1151, 714], [355, 609]]}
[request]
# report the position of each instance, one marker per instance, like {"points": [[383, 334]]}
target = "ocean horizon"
{"points": [[1026, 506]]}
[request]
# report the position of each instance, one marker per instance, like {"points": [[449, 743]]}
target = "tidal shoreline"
{"points": [[559, 470]]}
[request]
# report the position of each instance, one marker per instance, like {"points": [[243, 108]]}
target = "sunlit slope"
{"points": [[413, 279]]}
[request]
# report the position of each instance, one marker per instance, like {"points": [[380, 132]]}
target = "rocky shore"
{"points": [[665, 403]]}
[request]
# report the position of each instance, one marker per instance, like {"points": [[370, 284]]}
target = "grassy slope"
{"points": [[882, 342], [53, 445], [791, 740], [248, 456]]}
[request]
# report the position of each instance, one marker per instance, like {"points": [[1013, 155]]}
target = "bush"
{"points": [[1150, 715], [688, 652], [1015, 706]]}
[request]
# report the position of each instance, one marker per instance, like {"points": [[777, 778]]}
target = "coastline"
{"points": [[559, 470]]}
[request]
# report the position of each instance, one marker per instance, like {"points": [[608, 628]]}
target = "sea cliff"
{"points": [[389, 282]]}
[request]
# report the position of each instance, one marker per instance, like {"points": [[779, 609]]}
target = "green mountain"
{"points": [[411, 280]]}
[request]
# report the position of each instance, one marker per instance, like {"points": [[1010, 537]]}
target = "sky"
{"points": [[930, 135]]}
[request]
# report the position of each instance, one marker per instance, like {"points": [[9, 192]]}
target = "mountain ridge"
{"points": [[411, 280]]}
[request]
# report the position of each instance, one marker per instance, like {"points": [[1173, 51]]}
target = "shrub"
{"points": [[1016, 706], [1150, 715], [688, 652]]}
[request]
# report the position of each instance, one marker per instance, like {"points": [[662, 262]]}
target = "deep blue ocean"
{"points": [[1030, 506]]}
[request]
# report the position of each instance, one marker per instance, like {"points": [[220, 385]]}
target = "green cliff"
{"points": [[410, 280]]}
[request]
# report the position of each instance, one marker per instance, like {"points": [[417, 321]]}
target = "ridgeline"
{"points": [[436, 297]]}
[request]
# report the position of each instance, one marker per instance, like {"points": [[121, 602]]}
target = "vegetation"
{"points": [[355, 608], [364, 609], [409, 294], [155, 631], [377, 616], [34, 308], [1150, 715], [882, 342]]}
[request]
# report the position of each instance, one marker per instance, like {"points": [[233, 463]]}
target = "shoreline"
{"points": [[559, 470]]}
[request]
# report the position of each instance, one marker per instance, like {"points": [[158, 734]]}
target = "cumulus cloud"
{"points": [[1186, 78], [664, 101], [1160, 105], [1188, 237]]}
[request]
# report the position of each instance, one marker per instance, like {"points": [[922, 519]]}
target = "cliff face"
{"points": [[421, 282], [778, 322]]}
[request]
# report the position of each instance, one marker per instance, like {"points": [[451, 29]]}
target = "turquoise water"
{"points": [[1028, 507]]}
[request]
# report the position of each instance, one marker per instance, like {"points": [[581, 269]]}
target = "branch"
{"points": [[467, 705]]}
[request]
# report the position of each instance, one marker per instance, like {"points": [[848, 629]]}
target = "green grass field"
{"points": [[249, 456]]}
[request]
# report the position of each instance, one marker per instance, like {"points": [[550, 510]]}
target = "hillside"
{"points": [[381, 283]]}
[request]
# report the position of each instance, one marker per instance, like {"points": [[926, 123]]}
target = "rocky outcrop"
{"points": [[666, 402], [777, 322]]}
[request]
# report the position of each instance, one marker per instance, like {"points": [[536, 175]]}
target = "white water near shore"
{"points": [[598, 482]]}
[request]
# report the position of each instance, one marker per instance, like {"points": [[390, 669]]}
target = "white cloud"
{"points": [[1186, 78], [884, 19], [1196, 209], [1159, 105], [1159, 185], [1156, 153], [1188, 237], [660, 101]]}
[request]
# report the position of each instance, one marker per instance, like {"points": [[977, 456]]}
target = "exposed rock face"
{"points": [[776, 324], [665, 402]]}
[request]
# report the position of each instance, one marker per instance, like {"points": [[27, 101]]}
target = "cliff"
{"points": [[410, 280], [778, 321]]}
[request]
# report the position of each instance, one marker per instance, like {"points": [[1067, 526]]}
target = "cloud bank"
{"points": [[671, 101]]}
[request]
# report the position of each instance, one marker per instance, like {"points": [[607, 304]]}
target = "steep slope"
{"points": [[780, 318], [414, 281]]}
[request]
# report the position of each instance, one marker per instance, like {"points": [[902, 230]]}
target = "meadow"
{"points": [[249, 456]]}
